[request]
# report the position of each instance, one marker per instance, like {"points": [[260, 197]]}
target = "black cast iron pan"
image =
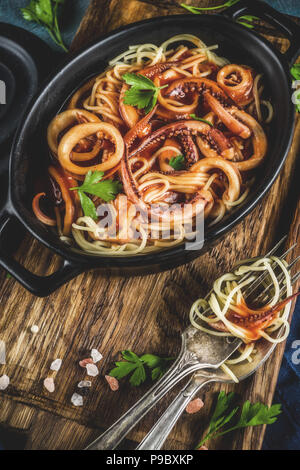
{"points": [[25, 60], [237, 43]]}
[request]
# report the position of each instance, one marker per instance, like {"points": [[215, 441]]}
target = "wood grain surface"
{"points": [[145, 314]]}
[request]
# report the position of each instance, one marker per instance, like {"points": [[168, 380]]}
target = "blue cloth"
{"points": [[285, 433], [69, 20]]}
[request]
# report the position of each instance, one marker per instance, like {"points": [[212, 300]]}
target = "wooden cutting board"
{"points": [[145, 314]]}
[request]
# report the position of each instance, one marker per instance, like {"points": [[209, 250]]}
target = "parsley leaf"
{"points": [[257, 414], [45, 13], [247, 20], [136, 365], [106, 190], [196, 118], [251, 415], [158, 365], [198, 10], [177, 162], [139, 81], [295, 71], [143, 93]]}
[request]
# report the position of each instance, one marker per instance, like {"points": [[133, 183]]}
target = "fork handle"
{"points": [[156, 437], [182, 367]]}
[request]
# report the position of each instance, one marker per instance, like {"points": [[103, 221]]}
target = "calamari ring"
{"points": [[45, 219], [63, 121], [240, 92], [232, 173], [74, 135]]}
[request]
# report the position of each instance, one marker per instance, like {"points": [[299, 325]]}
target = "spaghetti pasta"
{"points": [[208, 116], [229, 310]]}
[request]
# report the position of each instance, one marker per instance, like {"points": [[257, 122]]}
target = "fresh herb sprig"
{"points": [[295, 73], [247, 20], [106, 190], [177, 162], [251, 415], [142, 92], [198, 10], [135, 366], [45, 13], [196, 118]]}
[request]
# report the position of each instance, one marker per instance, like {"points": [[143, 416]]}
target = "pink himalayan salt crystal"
{"points": [[4, 382], [202, 448], [84, 362], [96, 355], [77, 399], [112, 382], [92, 370], [194, 406], [49, 384]]}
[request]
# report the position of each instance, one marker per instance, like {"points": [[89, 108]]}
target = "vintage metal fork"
{"points": [[156, 437], [199, 350]]}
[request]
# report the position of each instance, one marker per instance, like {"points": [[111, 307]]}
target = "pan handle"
{"points": [[40, 286], [272, 16]]}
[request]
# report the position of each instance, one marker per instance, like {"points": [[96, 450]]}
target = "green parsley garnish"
{"points": [[106, 190], [135, 366], [177, 162], [251, 415], [247, 20], [295, 73], [45, 13], [196, 118], [142, 93], [198, 10]]}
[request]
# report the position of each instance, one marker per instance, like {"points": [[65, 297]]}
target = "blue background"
{"points": [[285, 433]]}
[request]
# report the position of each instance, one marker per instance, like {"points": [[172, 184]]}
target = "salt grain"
{"points": [[84, 383], [194, 406], [92, 370], [2, 352], [84, 362], [4, 382], [49, 384], [56, 365], [34, 329], [96, 356], [112, 382], [77, 399]]}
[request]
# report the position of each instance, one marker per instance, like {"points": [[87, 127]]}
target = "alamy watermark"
{"points": [[2, 92], [125, 221], [296, 354]]}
